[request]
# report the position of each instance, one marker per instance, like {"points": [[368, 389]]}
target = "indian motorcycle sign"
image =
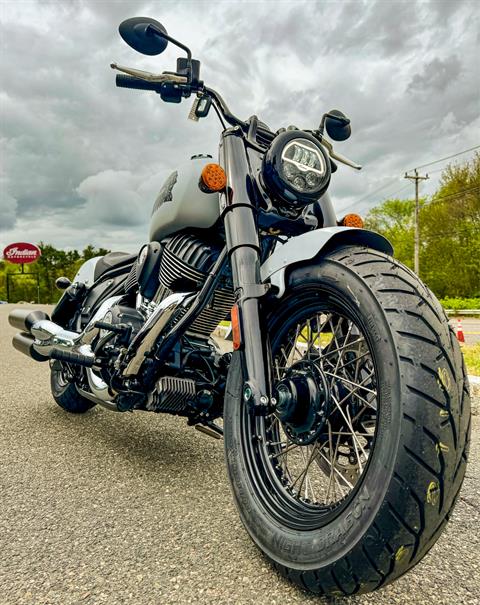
{"points": [[21, 253]]}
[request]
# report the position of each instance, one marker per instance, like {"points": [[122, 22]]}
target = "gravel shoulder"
{"points": [[135, 508]]}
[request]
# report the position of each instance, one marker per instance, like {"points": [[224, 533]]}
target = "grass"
{"points": [[471, 353]]}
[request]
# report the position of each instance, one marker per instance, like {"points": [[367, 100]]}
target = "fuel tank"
{"points": [[181, 204]]}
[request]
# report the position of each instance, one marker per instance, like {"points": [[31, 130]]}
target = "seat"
{"points": [[113, 260]]}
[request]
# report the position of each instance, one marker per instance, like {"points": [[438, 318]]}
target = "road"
{"points": [[470, 326], [135, 508]]}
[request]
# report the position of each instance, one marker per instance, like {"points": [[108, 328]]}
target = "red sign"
{"points": [[21, 253]]}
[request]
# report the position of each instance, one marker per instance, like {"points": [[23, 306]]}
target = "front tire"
{"points": [[414, 466]]}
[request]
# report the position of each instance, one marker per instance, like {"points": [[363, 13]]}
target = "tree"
{"points": [[449, 231], [395, 220]]}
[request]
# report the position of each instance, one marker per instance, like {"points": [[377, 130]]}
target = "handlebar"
{"points": [[128, 81], [123, 81]]}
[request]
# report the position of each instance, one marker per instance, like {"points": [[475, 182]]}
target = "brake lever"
{"points": [[149, 77], [337, 156]]}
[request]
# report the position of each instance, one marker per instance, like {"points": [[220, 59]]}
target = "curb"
{"points": [[475, 394]]}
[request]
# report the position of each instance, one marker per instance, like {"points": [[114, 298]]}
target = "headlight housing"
{"points": [[296, 168]]}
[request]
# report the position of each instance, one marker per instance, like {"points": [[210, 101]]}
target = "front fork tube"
{"points": [[238, 213]]}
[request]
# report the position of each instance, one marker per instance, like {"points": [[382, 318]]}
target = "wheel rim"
{"points": [[63, 374], [305, 486]]}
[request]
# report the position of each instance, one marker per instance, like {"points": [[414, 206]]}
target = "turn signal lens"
{"points": [[213, 178], [352, 220], [236, 332]]}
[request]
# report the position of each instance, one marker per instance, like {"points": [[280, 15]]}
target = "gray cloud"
{"points": [[83, 160], [437, 75]]}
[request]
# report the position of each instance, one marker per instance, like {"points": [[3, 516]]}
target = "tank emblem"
{"points": [[165, 194]]}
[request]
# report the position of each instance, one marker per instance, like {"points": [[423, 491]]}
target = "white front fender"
{"points": [[308, 245]]}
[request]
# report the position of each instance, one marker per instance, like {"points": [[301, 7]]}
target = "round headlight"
{"points": [[296, 168]]}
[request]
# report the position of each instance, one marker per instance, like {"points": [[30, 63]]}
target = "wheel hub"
{"points": [[303, 402]]}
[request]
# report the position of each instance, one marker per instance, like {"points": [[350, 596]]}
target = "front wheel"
{"points": [[348, 482]]}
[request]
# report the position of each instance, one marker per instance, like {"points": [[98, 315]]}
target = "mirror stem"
{"points": [[161, 34]]}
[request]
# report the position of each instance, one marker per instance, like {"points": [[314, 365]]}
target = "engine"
{"points": [[180, 263]]}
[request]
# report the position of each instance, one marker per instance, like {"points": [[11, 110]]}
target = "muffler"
{"points": [[43, 339], [23, 319], [23, 342]]}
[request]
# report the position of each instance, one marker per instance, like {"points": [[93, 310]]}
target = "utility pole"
{"points": [[416, 259]]}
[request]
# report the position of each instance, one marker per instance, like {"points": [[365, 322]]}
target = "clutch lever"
{"points": [[337, 156], [150, 77]]}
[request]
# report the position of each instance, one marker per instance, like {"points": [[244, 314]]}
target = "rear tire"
{"points": [[407, 491], [65, 392]]}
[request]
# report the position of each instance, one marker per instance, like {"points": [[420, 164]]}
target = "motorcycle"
{"points": [[340, 391]]}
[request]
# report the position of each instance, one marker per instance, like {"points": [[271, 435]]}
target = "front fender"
{"points": [[308, 245]]}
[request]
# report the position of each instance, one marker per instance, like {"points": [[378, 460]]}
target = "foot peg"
{"points": [[86, 361]]}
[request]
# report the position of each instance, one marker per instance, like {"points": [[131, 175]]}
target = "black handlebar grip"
{"points": [[124, 81]]}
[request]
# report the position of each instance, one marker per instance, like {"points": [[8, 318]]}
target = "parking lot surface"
{"points": [[470, 327], [135, 508]]}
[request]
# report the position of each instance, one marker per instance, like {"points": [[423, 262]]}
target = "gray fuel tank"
{"points": [[181, 204]]}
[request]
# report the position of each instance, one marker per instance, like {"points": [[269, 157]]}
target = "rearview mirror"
{"points": [[144, 35], [337, 125]]}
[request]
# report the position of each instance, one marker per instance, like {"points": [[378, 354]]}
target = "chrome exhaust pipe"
{"points": [[43, 339], [23, 319], [23, 342]]}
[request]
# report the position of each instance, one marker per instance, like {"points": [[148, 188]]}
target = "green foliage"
{"points": [[394, 220], [449, 231], [457, 304], [52, 264]]}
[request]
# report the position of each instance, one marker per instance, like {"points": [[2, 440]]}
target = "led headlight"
{"points": [[296, 168]]}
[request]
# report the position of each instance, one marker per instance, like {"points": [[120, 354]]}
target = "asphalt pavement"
{"points": [[135, 508], [470, 328]]}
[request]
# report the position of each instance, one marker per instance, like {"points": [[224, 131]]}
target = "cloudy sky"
{"points": [[82, 161]]}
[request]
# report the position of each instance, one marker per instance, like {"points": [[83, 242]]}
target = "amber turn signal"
{"points": [[352, 220], [213, 178], [236, 331]]}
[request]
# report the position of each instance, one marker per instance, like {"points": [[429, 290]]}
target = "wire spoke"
{"points": [[333, 351], [285, 451], [349, 425], [324, 472], [358, 386]]}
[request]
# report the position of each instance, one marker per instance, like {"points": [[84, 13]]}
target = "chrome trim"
{"points": [[50, 335], [151, 330]]}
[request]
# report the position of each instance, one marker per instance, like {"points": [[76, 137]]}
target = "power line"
{"points": [[446, 158], [402, 188], [385, 186], [368, 195], [455, 195], [360, 201]]}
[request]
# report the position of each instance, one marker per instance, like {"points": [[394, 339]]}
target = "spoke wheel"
{"points": [[304, 484], [348, 480]]}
